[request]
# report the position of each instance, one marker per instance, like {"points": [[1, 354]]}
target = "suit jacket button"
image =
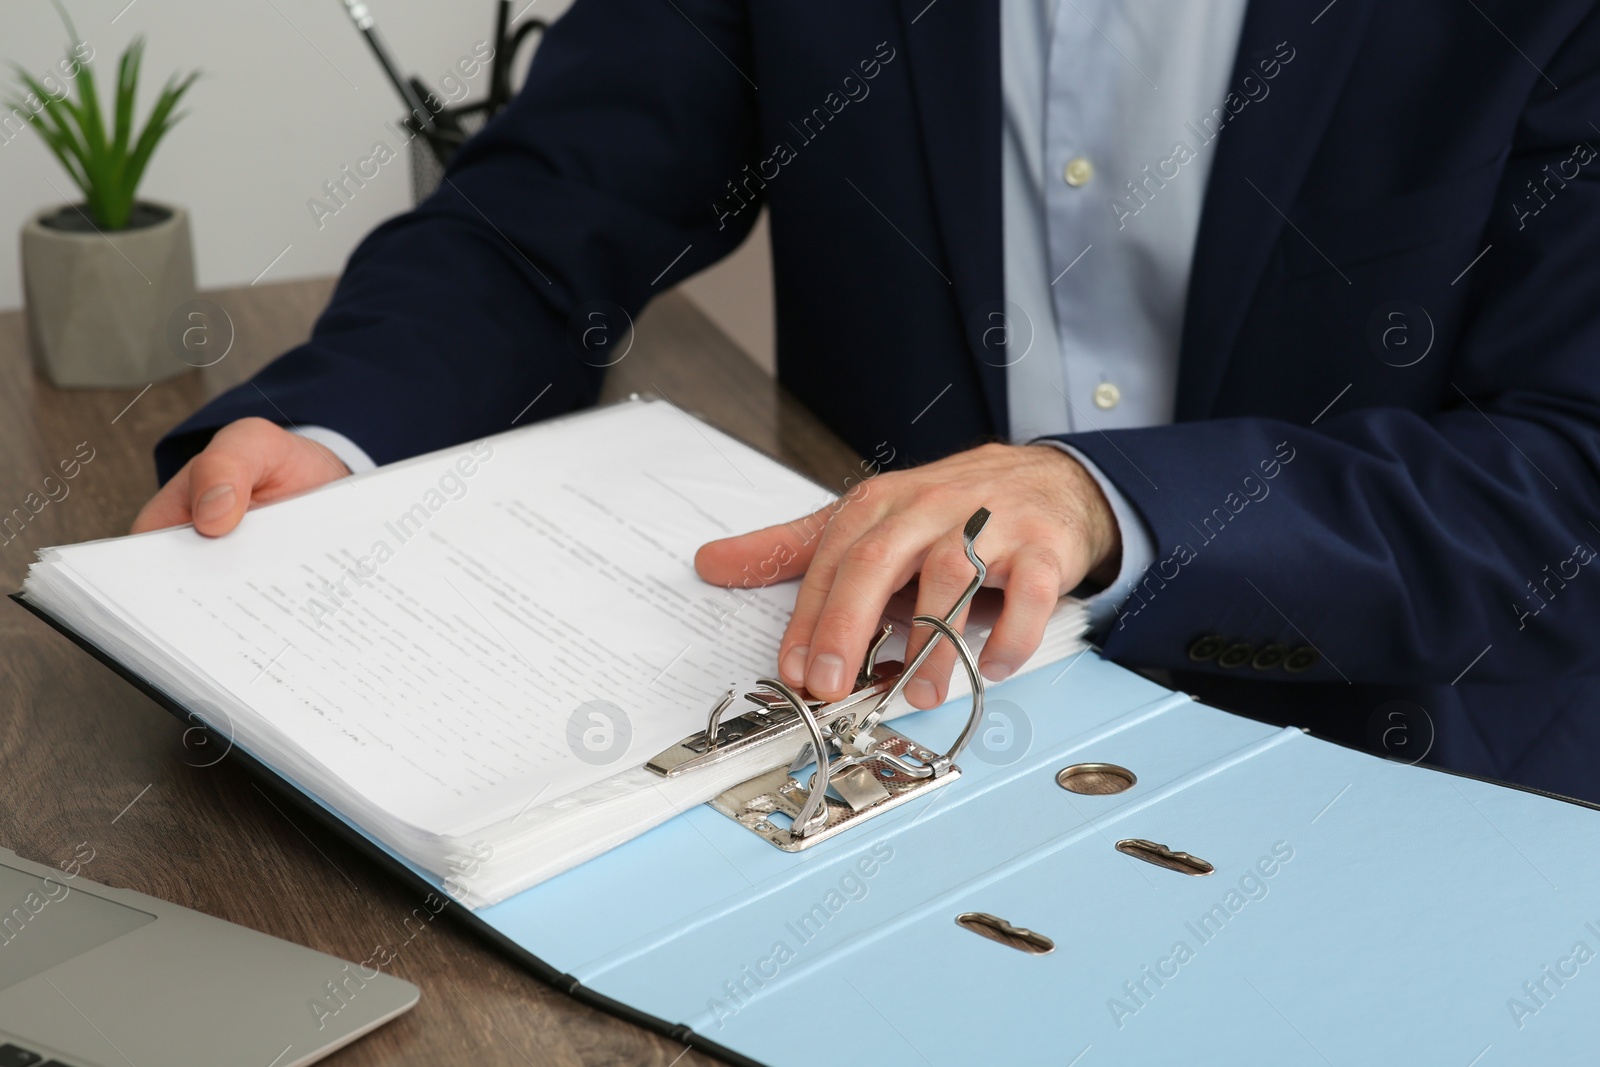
{"points": [[1269, 657], [1235, 655], [1205, 647], [1302, 659]]}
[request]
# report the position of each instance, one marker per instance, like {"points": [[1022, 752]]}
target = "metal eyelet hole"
{"points": [[1162, 856], [1095, 779], [998, 930]]}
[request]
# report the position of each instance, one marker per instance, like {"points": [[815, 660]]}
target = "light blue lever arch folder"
{"points": [[1356, 910]]}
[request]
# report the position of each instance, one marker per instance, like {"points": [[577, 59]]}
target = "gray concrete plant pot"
{"points": [[98, 301]]}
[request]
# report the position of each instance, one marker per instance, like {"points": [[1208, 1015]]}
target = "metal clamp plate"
{"points": [[868, 788]]}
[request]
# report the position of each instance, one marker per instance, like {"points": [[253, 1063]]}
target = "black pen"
{"points": [[362, 17], [500, 66]]}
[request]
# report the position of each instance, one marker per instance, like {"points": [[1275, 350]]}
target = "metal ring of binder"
{"points": [[806, 821], [871, 773], [943, 763], [716, 712]]}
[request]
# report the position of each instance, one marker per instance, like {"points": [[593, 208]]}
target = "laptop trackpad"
{"points": [[46, 921]]}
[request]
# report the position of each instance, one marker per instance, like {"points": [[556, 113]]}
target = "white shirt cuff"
{"points": [[1138, 547], [349, 453]]}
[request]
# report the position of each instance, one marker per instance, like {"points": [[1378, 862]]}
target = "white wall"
{"points": [[290, 94]]}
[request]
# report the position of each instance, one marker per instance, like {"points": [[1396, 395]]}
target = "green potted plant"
{"points": [[101, 277]]}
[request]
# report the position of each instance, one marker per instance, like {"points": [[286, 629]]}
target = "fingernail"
{"points": [[996, 671], [213, 503], [793, 666], [921, 694], [826, 674]]}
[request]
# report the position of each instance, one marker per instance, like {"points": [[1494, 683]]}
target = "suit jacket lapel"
{"points": [[953, 49], [1263, 155]]}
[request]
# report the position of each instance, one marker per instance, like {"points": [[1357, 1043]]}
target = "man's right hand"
{"points": [[248, 462]]}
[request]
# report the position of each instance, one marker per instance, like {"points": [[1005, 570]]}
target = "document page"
{"points": [[433, 633]]}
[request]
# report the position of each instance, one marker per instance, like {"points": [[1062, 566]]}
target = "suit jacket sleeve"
{"points": [[593, 188], [1405, 546]]}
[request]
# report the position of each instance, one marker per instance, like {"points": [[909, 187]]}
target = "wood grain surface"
{"points": [[86, 758]]}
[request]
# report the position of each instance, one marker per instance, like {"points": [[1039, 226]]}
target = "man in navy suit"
{"points": [[1277, 324]]}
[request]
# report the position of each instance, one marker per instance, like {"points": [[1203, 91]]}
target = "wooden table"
{"points": [[85, 758]]}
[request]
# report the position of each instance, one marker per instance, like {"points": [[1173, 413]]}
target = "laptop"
{"points": [[92, 976]]}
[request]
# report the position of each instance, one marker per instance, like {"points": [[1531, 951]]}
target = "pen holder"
{"points": [[433, 146], [431, 150]]}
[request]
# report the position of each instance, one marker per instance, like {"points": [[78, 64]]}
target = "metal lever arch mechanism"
{"points": [[862, 767]]}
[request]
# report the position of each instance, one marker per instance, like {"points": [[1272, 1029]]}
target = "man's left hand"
{"points": [[1051, 528]]}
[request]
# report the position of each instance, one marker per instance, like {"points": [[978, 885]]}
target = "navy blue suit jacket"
{"points": [[1417, 188]]}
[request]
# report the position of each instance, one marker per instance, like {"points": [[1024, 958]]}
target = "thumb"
{"points": [[765, 556], [251, 461], [221, 481]]}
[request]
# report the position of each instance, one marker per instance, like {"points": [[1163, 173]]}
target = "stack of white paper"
{"points": [[472, 654]]}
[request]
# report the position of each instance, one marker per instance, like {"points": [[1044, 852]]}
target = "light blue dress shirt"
{"points": [[1109, 128]]}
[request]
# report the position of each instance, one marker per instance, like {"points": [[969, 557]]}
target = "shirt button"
{"points": [[1106, 396], [1078, 171]]}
